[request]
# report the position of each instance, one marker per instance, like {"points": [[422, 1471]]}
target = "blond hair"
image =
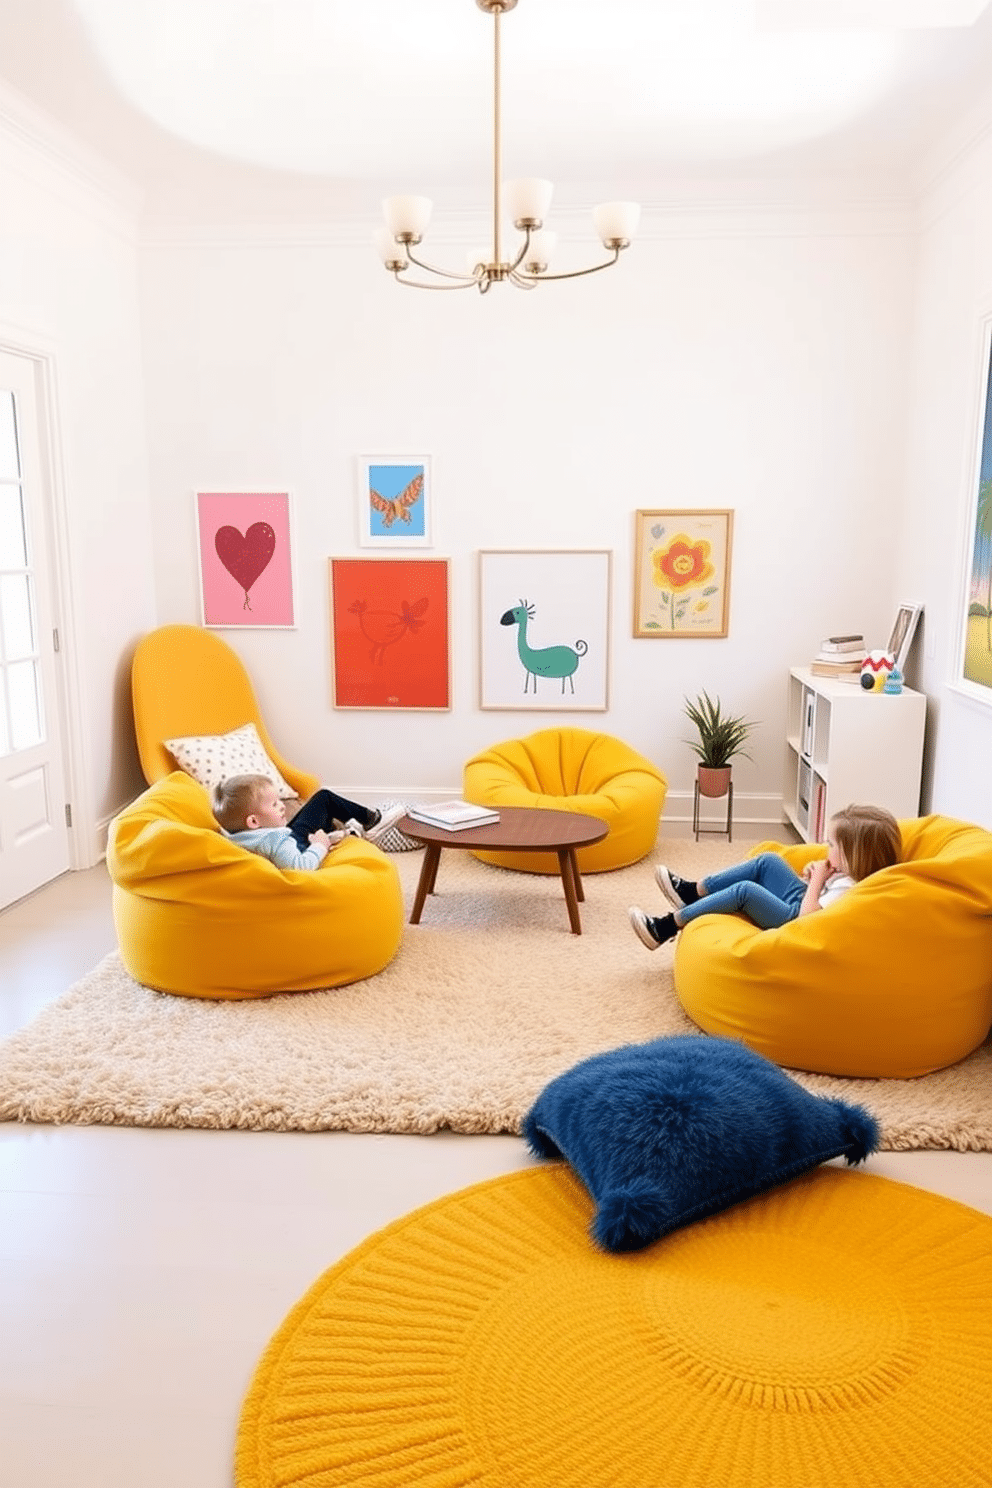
{"points": [[233, 800], [869, 838]]}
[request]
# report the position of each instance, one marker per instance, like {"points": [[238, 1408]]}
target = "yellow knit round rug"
{"points": [[834, 1333]]}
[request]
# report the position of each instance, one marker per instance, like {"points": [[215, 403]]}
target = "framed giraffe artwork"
{"points": [[389, 633], [544, 631]]}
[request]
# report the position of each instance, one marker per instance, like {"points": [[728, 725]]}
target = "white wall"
{"points": [[752, 359], [953, 294], [68, 294]]}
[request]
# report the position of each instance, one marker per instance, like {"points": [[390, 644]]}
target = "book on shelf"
{"points": [[453, 815], [845, 671], [819, 805], [851, 661], [839, 644]]}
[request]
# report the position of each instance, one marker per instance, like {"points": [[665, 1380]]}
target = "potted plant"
{"points": [[721, 738]]}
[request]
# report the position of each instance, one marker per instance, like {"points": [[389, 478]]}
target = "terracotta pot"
{"points": [[713, 782]]}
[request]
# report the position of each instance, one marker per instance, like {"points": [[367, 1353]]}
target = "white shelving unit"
{"points": [[844, 745]]}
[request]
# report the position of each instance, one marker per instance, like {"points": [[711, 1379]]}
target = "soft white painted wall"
{"points": [[68, 293], [747, 359], [953, 294]]}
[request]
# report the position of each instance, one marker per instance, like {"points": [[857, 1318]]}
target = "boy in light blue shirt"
{"points": [[251, 812]]}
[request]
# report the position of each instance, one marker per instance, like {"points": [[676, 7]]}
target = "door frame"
{"points": [[53, 513]]}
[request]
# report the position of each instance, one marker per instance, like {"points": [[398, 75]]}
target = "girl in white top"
{"points": [[860, 841]]}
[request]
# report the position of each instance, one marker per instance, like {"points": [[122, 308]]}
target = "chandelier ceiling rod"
{"points": [[407, 217]]}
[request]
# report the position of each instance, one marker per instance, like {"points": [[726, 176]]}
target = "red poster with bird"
{"points": [[389, 632]]}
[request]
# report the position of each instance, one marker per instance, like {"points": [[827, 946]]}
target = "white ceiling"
{"points": [[618, 97]]}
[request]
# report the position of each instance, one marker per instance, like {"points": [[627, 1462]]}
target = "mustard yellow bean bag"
{"points": [[571, 769], [894, 979], [200, 916]]}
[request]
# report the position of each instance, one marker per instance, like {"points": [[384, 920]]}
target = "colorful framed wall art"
{"points": [[682, 574], [395, 501], [975, 649], [544, 631], [245, 554], [389, 633]]}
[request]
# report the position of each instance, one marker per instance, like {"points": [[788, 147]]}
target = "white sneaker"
{"points": [[639, 921], [680, 892], [388, 817], [353, 828]]}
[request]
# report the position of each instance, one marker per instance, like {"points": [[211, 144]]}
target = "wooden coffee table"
{"points": [[519, 829]]}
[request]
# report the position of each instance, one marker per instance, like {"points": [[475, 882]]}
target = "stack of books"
{"points": [[839, 656], [454, 816]]}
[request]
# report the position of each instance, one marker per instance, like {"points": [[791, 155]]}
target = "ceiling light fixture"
{"points": [[527, 201]]}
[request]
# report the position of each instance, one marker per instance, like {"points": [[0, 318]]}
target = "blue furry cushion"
{"points": [[665, 1133]]}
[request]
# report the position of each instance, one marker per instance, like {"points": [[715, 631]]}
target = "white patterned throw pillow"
{"points": [[211, 758]]}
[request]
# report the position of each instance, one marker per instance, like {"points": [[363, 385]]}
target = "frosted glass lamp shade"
{"points": [[616, 222], [528, 200], [540, 251], [387, 247], [407, 216]]}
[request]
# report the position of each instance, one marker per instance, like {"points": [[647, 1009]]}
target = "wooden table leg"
{"points": [[572, 884], [425, 884]]}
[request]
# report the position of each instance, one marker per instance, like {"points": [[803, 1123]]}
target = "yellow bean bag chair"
{"points": [[187, 680], [571, 769], [895, 979], [200, 916]]}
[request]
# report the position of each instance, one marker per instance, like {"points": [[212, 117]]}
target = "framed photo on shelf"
{"points": [[395, 501], [682, 574], [903, 631], [244, 548], [389, 633], [975, 646], [544, 631]]}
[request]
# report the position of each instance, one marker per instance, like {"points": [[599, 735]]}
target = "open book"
{"points": [[454, 815]]}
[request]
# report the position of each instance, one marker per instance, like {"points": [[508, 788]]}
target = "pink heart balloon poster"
{"points": [[246, 572]]}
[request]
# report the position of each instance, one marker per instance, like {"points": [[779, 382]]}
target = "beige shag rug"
{"points": [[488, 999]]}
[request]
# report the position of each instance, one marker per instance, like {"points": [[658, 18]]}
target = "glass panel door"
{"points": [[22, 725]]}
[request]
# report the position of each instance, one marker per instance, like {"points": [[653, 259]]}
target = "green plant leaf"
{"points": [[721, 737]]}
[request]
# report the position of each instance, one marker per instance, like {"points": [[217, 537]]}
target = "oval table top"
{"points": [[520, 829]]}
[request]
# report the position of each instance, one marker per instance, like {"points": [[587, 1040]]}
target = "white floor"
{"points": [[143, 1272]]}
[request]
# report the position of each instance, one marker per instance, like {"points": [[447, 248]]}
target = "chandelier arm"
{"points": [[418, 284], [575, 273], [523, 281], [430, 268], [528, 233]]}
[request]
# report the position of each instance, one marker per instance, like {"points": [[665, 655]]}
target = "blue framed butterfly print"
{"points": [[395, 501]]}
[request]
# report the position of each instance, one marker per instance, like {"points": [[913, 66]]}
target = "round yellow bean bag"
{"points": [[571, 769], [894, 979], [200, 916]]}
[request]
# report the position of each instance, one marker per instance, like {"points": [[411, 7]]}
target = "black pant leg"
{"points": [[320, 813]]}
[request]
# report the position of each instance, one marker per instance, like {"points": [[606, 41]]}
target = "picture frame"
{"points": [[682, 573], [974, 660], [544, 630], [390, 644], [902, 633], [245, 559], [395, 501]]}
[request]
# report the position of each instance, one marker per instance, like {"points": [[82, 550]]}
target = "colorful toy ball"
{"points": [[875, 670]]}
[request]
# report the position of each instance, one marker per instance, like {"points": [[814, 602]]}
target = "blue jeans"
{"points": [[764, 888]]}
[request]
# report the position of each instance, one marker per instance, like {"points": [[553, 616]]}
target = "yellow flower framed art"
{"points": [[682, 574]]}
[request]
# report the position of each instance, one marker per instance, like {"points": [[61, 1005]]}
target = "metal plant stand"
{"points": [[728, 828]]}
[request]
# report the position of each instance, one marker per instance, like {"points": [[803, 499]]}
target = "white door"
{"points": [[34, 835]]}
